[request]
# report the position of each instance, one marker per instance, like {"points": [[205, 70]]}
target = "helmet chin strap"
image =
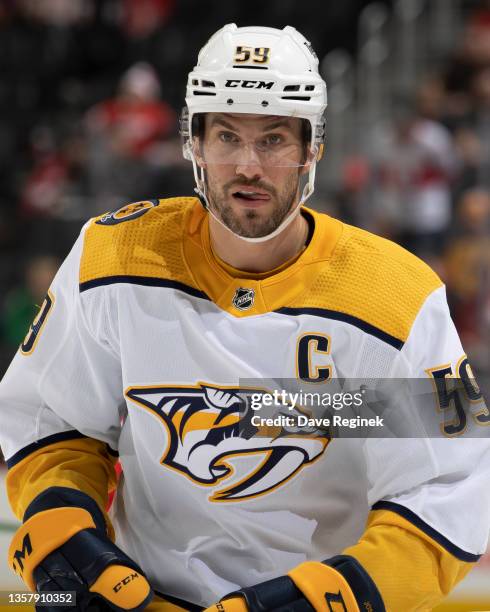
{"points": [[307, 191]]}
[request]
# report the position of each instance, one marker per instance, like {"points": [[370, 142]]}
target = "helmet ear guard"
{"points": [[185, 134], [318, 138]]}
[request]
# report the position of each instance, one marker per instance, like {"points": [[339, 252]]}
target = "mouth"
{"points": [[251, 196]]}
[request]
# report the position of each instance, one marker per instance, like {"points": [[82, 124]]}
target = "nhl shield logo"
{"points": [[243, 298]]}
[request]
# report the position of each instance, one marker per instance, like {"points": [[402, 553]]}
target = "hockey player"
{"points": [[137, 352]]}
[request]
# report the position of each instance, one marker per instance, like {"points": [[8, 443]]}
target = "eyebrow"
{"points": [[271, 126], [222, 122], [276, 124]]}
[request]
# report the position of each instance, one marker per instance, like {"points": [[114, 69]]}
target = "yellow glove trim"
{"points": [[122, 586], [160, 604], [40, 535], [234, 604], [315, 580]]}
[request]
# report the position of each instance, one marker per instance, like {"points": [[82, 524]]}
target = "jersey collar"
{"points": [[243, 294]]}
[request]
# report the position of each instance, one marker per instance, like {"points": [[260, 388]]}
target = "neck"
{"points": [[262, 256]]}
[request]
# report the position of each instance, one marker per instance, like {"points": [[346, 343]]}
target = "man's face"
{"points": [[253, 164]]}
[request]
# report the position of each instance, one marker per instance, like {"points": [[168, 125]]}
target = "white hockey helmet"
{"points": [[257, 70]]}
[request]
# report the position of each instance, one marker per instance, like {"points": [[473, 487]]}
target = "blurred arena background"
{"points": [[91, 90]]}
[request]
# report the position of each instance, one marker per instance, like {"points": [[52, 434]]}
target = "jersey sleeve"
{"points": [[424, 523], [61, 398]]}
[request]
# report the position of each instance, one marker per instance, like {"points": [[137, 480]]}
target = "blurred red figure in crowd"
{"points": [[414, 164], [142, 17], [136, 117], [124, 138]]}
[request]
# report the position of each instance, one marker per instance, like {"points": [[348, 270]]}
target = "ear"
{"points": [[196, 151], [311, 159], [305, 169]]}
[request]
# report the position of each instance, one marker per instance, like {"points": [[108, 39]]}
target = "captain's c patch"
{"points": [[127, 213]]}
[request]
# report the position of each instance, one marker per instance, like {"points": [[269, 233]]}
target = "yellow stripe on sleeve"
{"points": [[412, 571], [82, 463]]}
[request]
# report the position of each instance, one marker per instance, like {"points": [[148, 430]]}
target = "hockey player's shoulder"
{"points": [[391, 284], [387, 263], [162, 210], [371, 281], [138, 239]]}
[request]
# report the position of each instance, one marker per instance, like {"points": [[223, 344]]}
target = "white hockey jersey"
{"points": [[142, 343]]}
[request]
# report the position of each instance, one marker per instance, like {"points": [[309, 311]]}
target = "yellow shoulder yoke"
{"points": [[142, 239], [374, 280]]}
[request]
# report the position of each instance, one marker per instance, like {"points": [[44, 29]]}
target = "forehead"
{"points": [[253, 121]]}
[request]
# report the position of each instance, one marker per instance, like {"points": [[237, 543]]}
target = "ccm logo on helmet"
{"points": [[249, 84]]}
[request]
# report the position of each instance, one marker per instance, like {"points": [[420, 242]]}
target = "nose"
{"points": [[249, 164]]}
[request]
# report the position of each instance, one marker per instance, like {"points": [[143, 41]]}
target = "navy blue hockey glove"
{"points": [[339, 583], [63, 546]]}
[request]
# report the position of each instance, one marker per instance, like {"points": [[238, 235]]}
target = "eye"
{"points": [[272, 140], [227, 137]]}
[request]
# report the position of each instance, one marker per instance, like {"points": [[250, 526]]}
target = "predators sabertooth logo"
{"points": [[211, 441]]}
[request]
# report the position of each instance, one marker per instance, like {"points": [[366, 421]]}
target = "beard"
{"points": [[252, 223]]}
